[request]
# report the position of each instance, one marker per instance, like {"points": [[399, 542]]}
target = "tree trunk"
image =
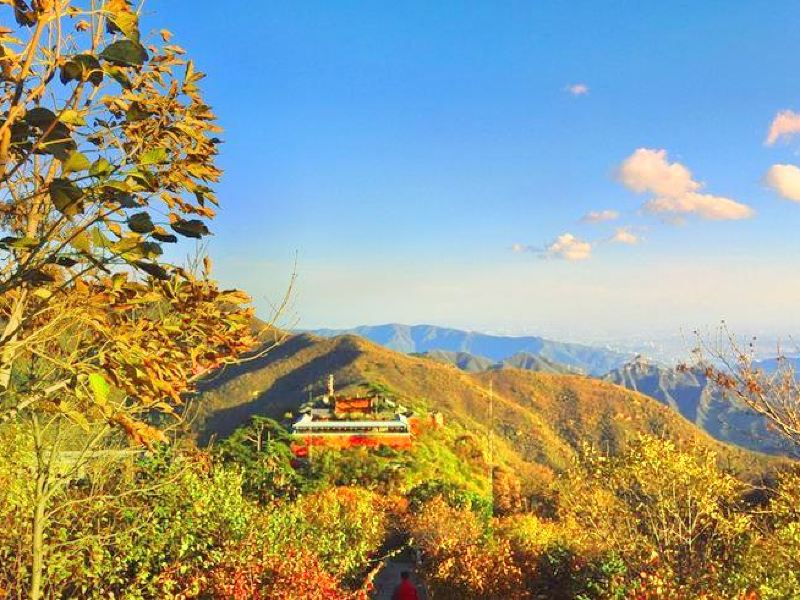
{"points": [[41, 496], [8, 338], [37, 546]]}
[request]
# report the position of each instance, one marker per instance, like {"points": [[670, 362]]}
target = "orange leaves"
{"points": [[139, 433]]}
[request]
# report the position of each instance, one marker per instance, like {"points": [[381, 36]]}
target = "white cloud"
{"points": [[785, 124], [520, 248], [648, 170], [624, 235], [599, 216], [578, 89], [674, 189], [784, 179], [568, 247], [708, 206]]}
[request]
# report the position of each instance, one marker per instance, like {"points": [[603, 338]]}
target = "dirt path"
{"points": [[388, 578]]}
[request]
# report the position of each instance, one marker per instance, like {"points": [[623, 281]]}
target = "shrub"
{"points": [[262, 450], [660, 506], [452, 494], [773, 561], [460, 559], [345, 527]]}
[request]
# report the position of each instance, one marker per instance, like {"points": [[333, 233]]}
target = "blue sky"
{"points": [[404, 150]]}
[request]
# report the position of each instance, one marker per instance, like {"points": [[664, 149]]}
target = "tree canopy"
{"points": [[107, 153]]}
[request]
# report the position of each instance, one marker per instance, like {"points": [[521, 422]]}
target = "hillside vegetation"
{"points": [[687, 391], [539, 419]]}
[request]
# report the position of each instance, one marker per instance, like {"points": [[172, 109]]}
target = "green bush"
{"points": [[454, 495], [262, 450]]}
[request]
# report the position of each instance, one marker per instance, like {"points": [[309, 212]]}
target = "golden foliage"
{"points": [[657, 505], [106, 144]]}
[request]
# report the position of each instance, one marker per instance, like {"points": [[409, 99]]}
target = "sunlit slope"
{"points": [[538, 419]]}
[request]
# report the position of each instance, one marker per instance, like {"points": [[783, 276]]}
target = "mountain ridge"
{"points": [[541, 420], [594, 360], [690, 393]]}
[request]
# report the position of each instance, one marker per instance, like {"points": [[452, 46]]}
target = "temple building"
{"points": [[347, 421]]}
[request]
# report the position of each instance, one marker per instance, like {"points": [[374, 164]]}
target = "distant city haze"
{"points": [[588, 304]]}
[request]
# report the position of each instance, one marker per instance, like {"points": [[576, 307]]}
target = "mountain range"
{"points": [[476, 364], [687, 392], [592, 360], [690, 393], [539, 420]]}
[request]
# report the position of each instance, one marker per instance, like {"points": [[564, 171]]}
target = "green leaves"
{"points": [[162, 236], [193, 228], [100, 388], [55, 136], [66, 197], [101, 168], [126, 53], [40, 117], [142, 179], [125, 22], [25, 243], [57, 142], [118, 192], [135, 113], [75, 163], [118, 74], [82, 242], [72, 117], [153, 156], [140, 223], [133, 249]]}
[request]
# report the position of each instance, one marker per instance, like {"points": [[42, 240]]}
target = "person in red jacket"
{"points": [[406, 590]]}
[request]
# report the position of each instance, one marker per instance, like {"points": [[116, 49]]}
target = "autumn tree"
{"points": [[107, 153], [771, 391], [657, 504]]}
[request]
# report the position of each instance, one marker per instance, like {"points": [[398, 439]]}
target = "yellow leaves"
{"points": [[122, 19], [234, 297], [74, 163], [173, 49], [655, 499], [114, 228], [204, 211], [137, 341], [72, 117], [81, 242]]}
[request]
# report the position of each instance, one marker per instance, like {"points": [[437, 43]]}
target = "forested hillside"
{"points": [[540, 419]]}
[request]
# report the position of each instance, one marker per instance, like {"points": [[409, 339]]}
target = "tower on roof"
{"points": [[330, 386]]}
